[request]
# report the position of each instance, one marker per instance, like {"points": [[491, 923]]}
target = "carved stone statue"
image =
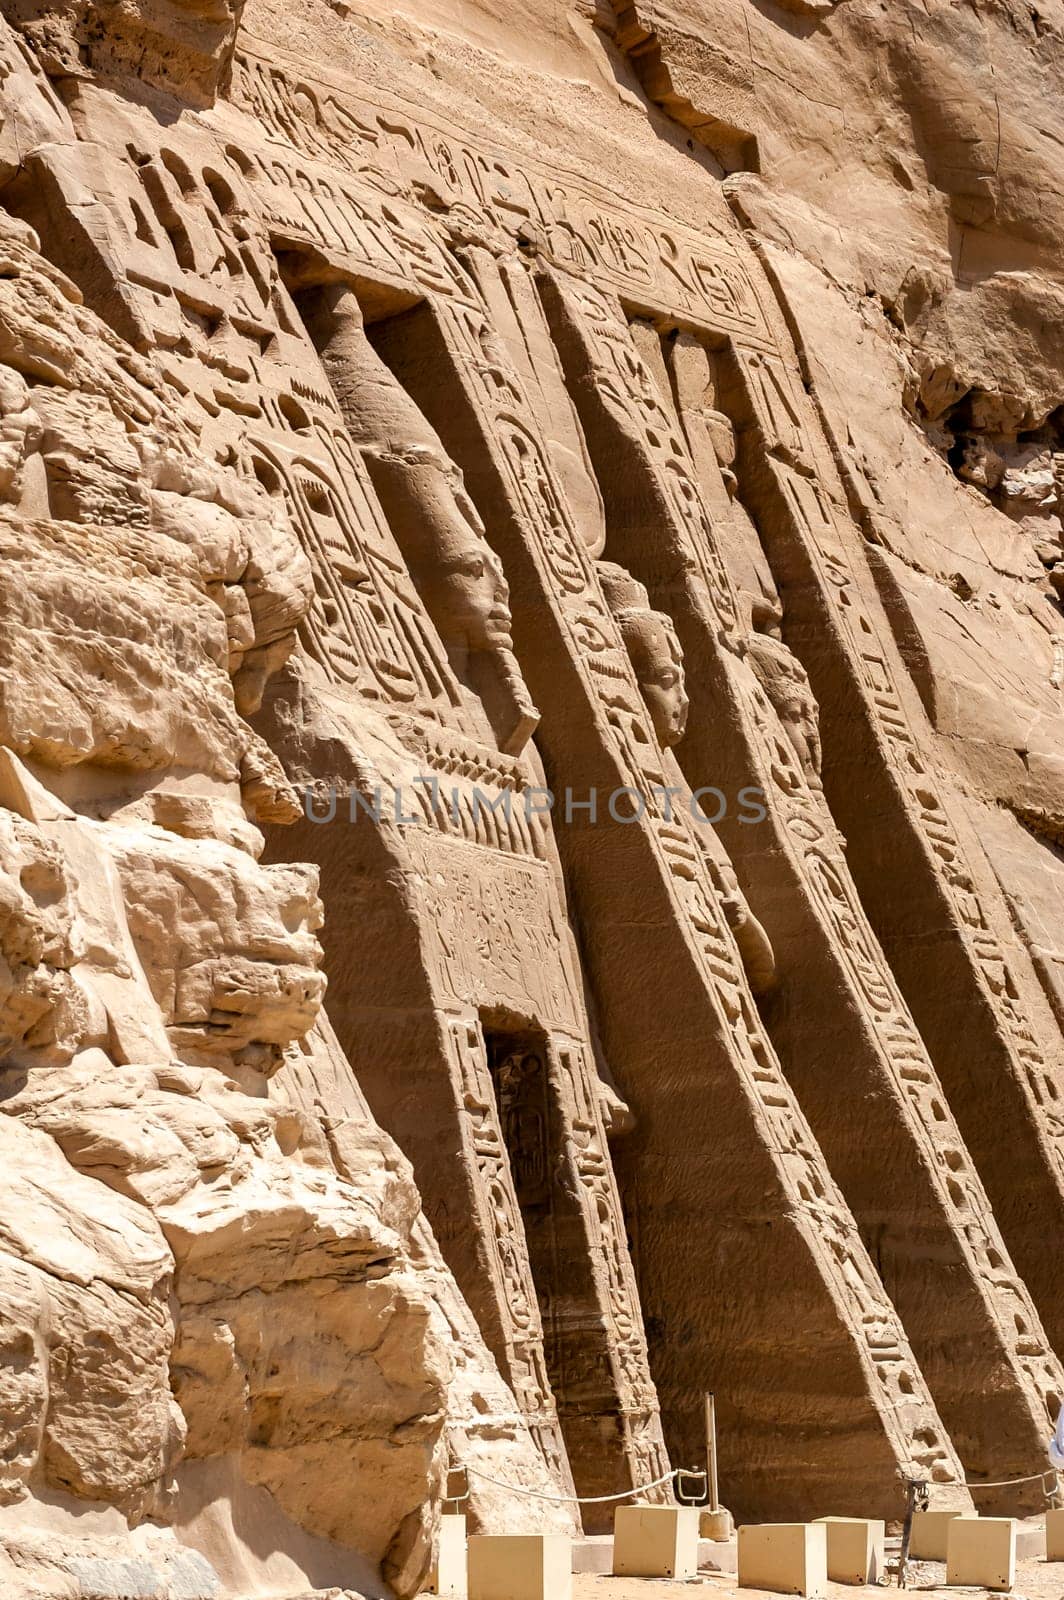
{"points": [[433, 519], [655, 653], [786, 684], [654, 650], [711, 433]]}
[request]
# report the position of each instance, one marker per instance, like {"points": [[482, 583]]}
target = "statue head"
{"points": [[653, 649], [470, 599]]}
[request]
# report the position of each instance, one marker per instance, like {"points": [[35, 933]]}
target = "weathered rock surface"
{"points": [[531, 771]]}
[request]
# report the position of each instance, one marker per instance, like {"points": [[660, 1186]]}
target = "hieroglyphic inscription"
{"points": [[389, 146], [515, 1292]]}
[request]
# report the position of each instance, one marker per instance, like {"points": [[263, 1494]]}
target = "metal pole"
{"points": [[711, 1452], [917, 1498]]}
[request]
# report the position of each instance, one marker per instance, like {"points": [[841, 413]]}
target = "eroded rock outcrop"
{"points": [[173, 1227]]}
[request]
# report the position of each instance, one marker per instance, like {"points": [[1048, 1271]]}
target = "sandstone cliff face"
{"points": [[171, 1227], [418, 430]]}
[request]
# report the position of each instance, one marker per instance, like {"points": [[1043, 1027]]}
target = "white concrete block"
{"points": [[520, 1566], [656, 1541], [1055, 1535], [982, 1551], [785, 1557], [928, 1539], [856, 1549], [449, 1575]]}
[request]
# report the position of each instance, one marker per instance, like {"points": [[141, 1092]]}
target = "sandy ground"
{"points": [[1035, 1580]]}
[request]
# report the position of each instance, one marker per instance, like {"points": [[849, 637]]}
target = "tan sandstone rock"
{"points": [[531, 772]]}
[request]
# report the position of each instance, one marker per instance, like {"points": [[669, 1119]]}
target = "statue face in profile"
{"points": [[473, 599], [658, 661], [653, 649]]}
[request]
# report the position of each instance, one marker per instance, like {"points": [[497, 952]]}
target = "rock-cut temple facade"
{"points": [[531, 772]]}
